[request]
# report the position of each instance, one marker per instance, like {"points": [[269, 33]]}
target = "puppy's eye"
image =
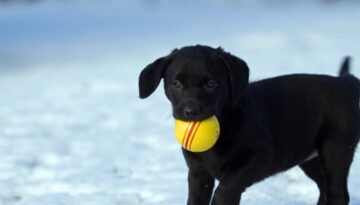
{"points": [[177, 84], [211, 85]]}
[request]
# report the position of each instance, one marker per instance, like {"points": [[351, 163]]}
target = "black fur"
{"points": [[267, 126]]}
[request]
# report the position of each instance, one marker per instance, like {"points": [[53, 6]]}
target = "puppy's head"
{"points": [[199, 81]]}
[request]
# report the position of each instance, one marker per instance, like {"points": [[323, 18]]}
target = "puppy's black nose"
{"points": [[190, 112]]}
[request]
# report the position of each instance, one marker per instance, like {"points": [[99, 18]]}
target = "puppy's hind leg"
{"points": [[314, 170], [336, 157]]}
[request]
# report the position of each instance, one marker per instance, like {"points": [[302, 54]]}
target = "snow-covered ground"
{"points": [[72, 129]]}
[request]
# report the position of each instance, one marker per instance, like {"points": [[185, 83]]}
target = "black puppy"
{"points": [[266, 127]]}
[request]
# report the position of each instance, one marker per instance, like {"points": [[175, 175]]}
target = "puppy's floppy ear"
{"points": [[238, 74], [151, 75]]}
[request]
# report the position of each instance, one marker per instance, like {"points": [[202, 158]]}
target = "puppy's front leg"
{"points": [[237, 179], [201, 185]]}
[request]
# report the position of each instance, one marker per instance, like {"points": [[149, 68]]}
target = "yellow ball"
{"points": [[197, 136]]}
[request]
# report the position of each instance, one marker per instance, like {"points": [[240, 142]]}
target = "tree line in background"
{"points": [[19, 1], [159, 1], [156, 2]]}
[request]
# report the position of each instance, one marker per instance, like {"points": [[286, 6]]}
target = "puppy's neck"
{"points": [[230, 114]]}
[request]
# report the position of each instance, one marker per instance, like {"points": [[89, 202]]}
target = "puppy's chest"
{"points": [[212, 162]]}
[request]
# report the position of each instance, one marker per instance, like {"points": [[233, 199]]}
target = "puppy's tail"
{"points": [[345, 73], [345, 67]]}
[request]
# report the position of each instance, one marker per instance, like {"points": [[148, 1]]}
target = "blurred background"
{"points": [[72, 129]]}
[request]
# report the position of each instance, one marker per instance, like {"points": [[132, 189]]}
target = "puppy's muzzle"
{"points": [[190, 110]]}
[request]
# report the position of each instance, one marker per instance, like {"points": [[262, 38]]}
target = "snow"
{"points": [[72, 128]]}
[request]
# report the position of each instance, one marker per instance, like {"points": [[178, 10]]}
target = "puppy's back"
{"points": [[298, 107]]}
